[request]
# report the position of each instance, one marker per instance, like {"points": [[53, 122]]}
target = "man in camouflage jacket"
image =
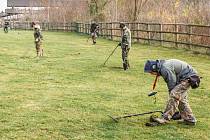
{"points": [[38, 40], [94, 32]]}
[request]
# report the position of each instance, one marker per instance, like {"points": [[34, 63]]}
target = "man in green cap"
{"points": [[6, 27], [125, 44]]}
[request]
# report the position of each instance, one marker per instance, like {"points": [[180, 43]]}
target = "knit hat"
{"points": [[122, 25], [150, 66]]}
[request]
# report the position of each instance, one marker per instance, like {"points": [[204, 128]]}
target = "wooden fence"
{"points": [[195, 37]]}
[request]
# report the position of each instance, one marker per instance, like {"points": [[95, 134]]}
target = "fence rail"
{"points": [[179, 35]]}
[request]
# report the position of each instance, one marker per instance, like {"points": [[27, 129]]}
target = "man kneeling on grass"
{"points": [[179, 76]]}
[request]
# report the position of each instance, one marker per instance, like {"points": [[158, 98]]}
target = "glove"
{"points": [[119, 44]]}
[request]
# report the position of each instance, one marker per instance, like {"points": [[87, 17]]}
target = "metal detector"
{"points": [[116, 119], [153, 93], [110, 55]]}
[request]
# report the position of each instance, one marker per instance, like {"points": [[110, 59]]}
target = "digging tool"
{"points": [[153, 93], [116, 119], [110, 55]]}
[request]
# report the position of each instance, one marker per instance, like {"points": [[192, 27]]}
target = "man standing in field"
{"points": [[38, 37], [94, 32], [6, 27], [179, 76], [125, 45]]}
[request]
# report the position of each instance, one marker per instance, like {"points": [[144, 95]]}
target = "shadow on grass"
{"points": [[25, 57], [115, 68], [33, 57], [45, 56]]}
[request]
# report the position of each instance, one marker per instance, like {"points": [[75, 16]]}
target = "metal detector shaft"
{"points": [[110, 55], [140, 114]]}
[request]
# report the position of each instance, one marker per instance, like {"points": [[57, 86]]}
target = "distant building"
{"points": [[50, 10], [45, 3]]}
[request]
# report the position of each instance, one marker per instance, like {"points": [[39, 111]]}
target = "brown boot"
{"points": [[156, 121]]}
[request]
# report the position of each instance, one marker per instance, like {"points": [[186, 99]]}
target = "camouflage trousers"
{"points": [[125, 51], [178, 100], [6, 29], [94, 36], [39, 49]]}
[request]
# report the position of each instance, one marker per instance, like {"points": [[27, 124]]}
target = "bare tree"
{"points": [[187, 11], [97, 8]]}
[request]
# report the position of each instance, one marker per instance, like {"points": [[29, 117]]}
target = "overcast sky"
{"points": [[3, 5]]}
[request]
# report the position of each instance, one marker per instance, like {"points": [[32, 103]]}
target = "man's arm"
{"points": [[170, 79]]}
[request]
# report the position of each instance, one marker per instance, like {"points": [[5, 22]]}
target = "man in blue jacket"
{"points": [[179, 77]]}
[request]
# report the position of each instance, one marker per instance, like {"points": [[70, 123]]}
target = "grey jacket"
{"points": [[174, 71]]}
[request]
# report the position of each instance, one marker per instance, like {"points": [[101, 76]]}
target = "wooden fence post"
{"points": [[88, 28], [77, 27], [102, 30], [176, 35], [190, 36], [148, 32], [138, 32], [81, 28], [111, 31], [85, 28], [161, 34], [57, 26], [105, 30]]}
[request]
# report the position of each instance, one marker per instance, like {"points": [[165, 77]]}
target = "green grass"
{"points": [[68, 94]]}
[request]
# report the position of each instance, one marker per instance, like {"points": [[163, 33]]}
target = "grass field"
{"points": [[68, 94]]}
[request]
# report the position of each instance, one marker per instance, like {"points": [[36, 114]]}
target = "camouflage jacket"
{"points": [[37, 35], [94, 28], [6, 25], [174, 71], [126, 37]]}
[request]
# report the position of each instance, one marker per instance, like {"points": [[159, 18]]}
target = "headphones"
{"points": [[154, 68]]}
